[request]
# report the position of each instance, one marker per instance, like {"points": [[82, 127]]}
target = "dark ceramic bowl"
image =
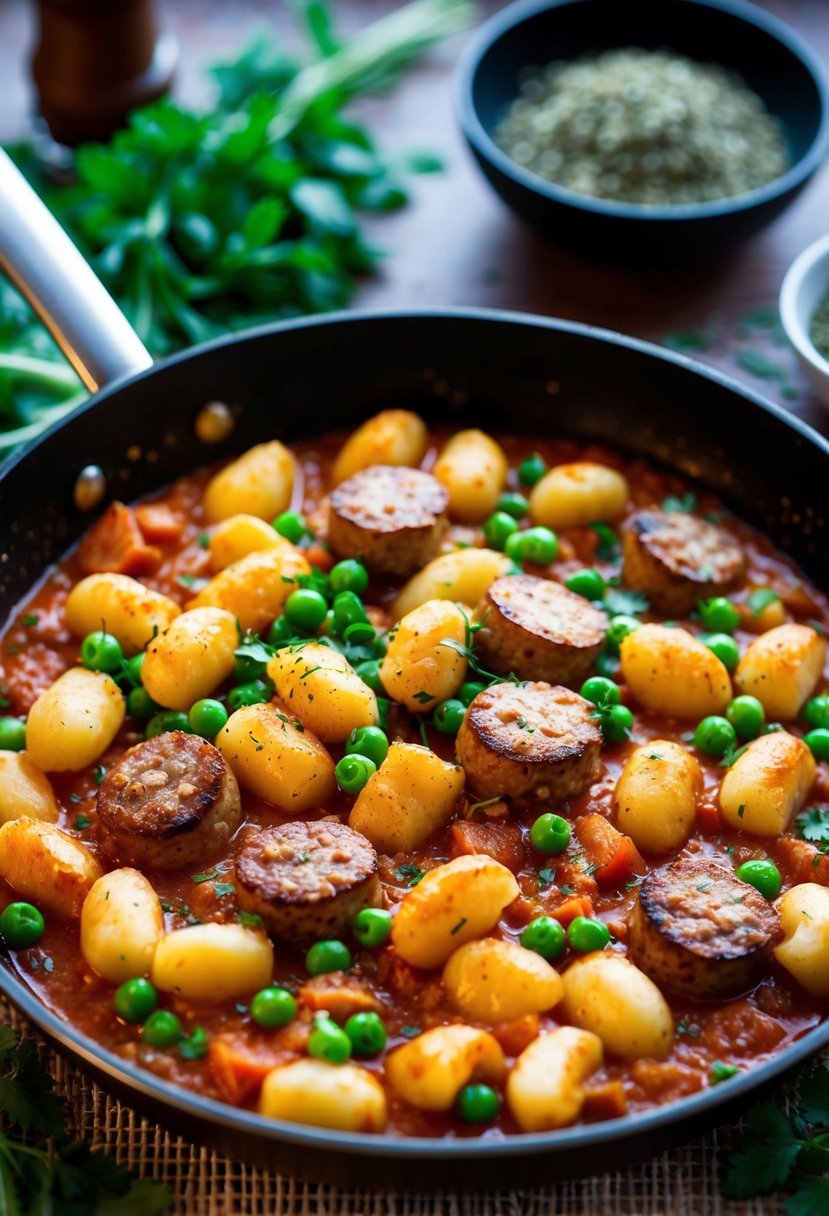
{"points": [[771, 58]]}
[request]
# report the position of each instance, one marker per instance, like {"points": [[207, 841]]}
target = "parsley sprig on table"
{"points": [[68, 1179], [792, 1151], [201, 223]]}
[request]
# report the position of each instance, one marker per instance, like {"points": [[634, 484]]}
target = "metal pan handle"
{"points": [[61, 287]]}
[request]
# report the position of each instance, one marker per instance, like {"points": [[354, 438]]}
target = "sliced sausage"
{"points": [[307, 880], [529, 742], [677, 559], [538, 630], [393, 518], [169, 802], [699, 931]]}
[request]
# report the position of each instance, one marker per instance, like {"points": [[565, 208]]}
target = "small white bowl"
{"points": [[805, 285]]}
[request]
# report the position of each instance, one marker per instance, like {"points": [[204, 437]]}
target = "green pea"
{"points": [[816, 711], [328, 1042], [715, 736], [532, 469], [348, 610], [747, 716], [21, 925], [281, 632], [207, 717], [586, 934], [719, 615], [544, 936], [140, 705], [135, 1000], [359, 633], [134, 668], [353, 771], [366, 1033], [254, 693], [550, 833], [588, 583], [349, 575], [372, 927], [616, 723], [478, 1103], [469, 691], [328, 955], [291, 525], [12, 734], [369, 673], [272, 1007], [448, 716], [599, 690], [536, 545], [306, 609], [368, 741], [167, 720], [513, 504], [101, 651], [817, 742], [618, 629], [763, 875], [499, 528], [162, 1029], [725, 648]]}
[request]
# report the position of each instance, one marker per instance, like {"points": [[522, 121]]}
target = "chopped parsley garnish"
{"points": [[223, 888], [813, 825], [82, 822], [408, 873], [608, 548], [687, 503], [204, 540], [206, 877], [620, 601], [457, 928], [566, 890], [410, 1032], [546, 877], [692, 1031], [722, 1072], [249, 919], [760, 598], [30, 619], [98, 773], [424, 697]]}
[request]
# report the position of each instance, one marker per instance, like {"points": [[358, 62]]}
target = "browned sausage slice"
{"points": [[307, 880], [699, 931], [393, 518], [169, 802], [677, 559], [529, 742], [538, 630]]}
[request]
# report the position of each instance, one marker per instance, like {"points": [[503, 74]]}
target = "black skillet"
{"points": [[497, 370]]}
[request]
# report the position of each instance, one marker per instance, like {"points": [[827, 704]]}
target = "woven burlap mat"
{"points": [[680, 1183]]}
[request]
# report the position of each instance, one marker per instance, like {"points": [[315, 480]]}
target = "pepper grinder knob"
{"points": [[95, 60]]}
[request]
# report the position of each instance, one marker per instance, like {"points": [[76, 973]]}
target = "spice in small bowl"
{"points": [[646, 127], [819, 328]]}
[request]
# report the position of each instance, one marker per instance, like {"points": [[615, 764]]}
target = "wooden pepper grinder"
{"points": [[95, 60]]}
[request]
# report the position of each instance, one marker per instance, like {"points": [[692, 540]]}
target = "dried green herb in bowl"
{"points": [[648, 127], [819, 327]]}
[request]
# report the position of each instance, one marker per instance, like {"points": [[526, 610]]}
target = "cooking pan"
{"points": [[146, 425]]}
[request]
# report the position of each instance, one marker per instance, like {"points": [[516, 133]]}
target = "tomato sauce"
{"points": [[37, 647]]}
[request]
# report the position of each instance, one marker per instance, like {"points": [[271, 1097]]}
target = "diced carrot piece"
{"points": [[158, 523], [501, 841], [605, 1101], [516, 1035], [339, 995], [803, 860], [578, 905], [239, 1071], [615, 855], [317, 555], [115, 545], [709, 820]]}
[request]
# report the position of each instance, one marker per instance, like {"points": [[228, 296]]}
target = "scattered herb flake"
{"points": [[30, 619], [760, 598], [206, 877], [410, 1032], [608, 549], [409, 873], [223, 888], [619, 601], [687, 503], [98, 773], [457, 928], [722, 1072], [546, 877], [82, 822], [249, 919]]}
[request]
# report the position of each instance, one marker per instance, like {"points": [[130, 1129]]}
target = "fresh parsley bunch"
{"points": [[200, 223], [71, 1179]]}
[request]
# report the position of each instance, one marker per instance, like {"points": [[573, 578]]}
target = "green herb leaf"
{"points": [[619, 601], [687, 503], [755, 362], [608, 549], [410, 874], [813, 825], [760, 598]]}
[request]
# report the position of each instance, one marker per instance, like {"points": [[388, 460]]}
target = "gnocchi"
{"points": [[260, 482], [212, 962], [190, 659], [72, 723], [341, 1096], [239, 535], [124, 607], [410, 796], [25, 790], [323, 690], [572, 495], [656, 796], [43, 864], [545, 1087], [608, 995], [121, 925], [395, 437], [767, 784], [473, 468], [463, 575], [431, 1070], [493, 981], [451, 905], [419, 669], [781, 669], [276, 758], [669, 671], [255, 588], [804, 951]]}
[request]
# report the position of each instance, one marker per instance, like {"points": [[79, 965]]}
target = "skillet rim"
{"points": [[554, 1145]]}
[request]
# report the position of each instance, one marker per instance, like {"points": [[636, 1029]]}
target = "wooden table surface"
{"points": [[458, 244]]}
